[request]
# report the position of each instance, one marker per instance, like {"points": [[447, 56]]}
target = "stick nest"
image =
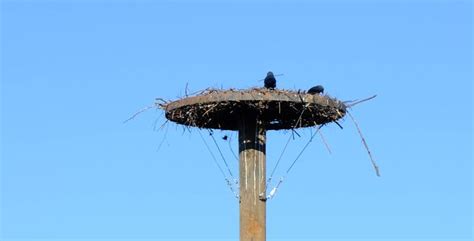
{"points": [[274, 109]]}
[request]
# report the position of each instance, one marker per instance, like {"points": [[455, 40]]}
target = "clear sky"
{"points": [[72, 71]]}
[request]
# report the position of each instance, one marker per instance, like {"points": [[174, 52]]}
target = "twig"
{"points": [[295, 132], [137, 113], [164, 138], [298, 121], [339, 124], [232, 149], [360, 101], [162, 100], [161, 105], [205, 113], [200, 91], [374, 164], [155, 123], [164, 123], [186, 90], [324, 141], [349, 101], [276, 75]]}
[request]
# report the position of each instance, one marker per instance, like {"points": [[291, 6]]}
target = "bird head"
{"points": [[270, 73], [321, 88]]}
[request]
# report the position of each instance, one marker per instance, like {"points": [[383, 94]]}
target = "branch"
{"points": [[339, 125], [374, 164], [360, 101], [324, 141], [137, 113]]}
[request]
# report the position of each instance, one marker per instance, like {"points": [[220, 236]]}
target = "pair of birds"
{"points": [[270, 83]]}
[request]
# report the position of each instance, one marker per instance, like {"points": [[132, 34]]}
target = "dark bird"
{"points": [[318, 89], [270, 81]]}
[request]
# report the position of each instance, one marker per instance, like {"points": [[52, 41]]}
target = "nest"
{"points": [[274, 109]]}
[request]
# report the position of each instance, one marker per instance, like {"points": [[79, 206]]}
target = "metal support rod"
{"points": [[252, 180]]}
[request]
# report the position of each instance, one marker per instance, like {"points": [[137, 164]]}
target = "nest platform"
{"points": [[275, 109]]}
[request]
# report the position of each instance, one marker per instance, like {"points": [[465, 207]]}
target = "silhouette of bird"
{"points": [[318, 89], [270, 81]]}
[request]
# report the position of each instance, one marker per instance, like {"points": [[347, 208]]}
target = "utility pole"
{"points": [[252, 112], [252, 175]]}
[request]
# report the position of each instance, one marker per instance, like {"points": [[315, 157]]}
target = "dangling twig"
{"points": [[232, 149], [164, 123], [324, 141], [155, 123], [295, 132], [340, 126], [374, 164], [164, 137]]}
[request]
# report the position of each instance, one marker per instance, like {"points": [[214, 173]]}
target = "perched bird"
{"points": [[270, 81], [318, 89]]}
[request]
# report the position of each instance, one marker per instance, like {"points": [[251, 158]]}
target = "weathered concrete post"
{"points": [[252, 171]]}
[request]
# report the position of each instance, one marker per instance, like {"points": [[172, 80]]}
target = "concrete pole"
{"points": [[252, 171]]}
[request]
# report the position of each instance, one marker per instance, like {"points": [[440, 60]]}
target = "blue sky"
{"points": [[72, 71]]}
